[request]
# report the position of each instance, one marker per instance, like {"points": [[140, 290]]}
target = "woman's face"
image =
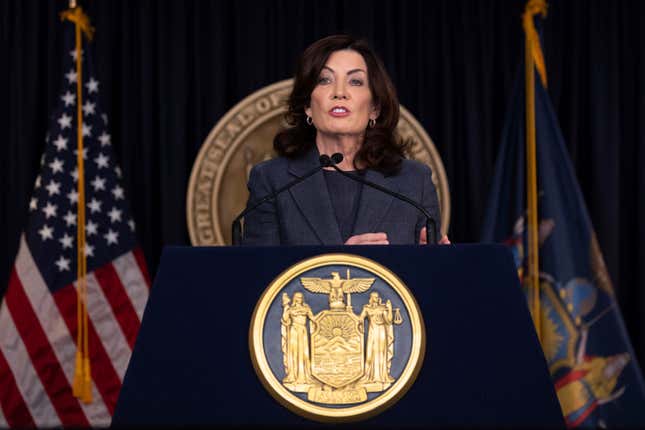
{"points": [[341, 103]]}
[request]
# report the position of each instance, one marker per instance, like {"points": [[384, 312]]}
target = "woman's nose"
{"points": [[339, 91]]}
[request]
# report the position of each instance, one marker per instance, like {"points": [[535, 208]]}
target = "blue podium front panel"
{"points": [[483, 363]]}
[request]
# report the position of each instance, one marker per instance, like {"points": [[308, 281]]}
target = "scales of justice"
{"points": [[329, 358]]}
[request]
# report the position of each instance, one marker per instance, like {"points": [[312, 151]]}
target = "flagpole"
{"points": [[532, 52], [82, 384]]}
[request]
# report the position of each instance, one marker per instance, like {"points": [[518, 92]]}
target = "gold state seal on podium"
{"points": [[337, 337]]}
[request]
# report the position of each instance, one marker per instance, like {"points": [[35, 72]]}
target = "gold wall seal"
{"points": [[337, 337], [244, 137]]}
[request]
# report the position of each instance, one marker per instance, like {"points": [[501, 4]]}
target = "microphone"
{"points": [[431, 238], [236, 226]]}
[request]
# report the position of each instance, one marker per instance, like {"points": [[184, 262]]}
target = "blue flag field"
{"points": [[594, 369]]}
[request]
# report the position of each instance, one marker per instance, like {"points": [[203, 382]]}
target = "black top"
{"points": [[345, 195]]}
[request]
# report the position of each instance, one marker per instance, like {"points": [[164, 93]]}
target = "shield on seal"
{"points": [[337, 348]]}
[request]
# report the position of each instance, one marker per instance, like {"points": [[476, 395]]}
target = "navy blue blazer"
{"points": [[304, 215]]}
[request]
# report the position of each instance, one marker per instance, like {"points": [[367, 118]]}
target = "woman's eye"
{"points": [[357, 82], [324, 80]]}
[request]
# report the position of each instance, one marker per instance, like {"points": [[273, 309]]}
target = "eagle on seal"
{"points": [[336, 287]]}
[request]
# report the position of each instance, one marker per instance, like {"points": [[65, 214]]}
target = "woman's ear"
{"points": [[308, 110], [376, 112]]}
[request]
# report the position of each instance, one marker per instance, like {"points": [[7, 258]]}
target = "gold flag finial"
{"points": [[76, 15], [535, 7]]}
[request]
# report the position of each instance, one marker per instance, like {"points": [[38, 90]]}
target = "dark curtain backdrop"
{"points": [[170, 69]]}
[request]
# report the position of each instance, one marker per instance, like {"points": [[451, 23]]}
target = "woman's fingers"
{"points": [[381, 239], [373, 237], [422, 238], [445, 241], [368, 239]]}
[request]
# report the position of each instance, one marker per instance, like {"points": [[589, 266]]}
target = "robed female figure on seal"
{"points": [[295, 343], [380, 342]]}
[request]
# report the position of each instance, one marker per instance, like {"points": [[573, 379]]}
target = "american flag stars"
{"points": [[70, 219], [71, 76], [88, 108], [104, 138], [115, 215], [53, 188], [46, 232], [50, 210], [74, 55], [57, 199], [60, 143], [92, 86], [87, 132], [117, 192], [90, 228], [63, 263], [95, 205], [65, 121], [56, 166], [84, 153], [112, 237], [68, 98], [101, 161], [98, 183], [66, 241], [38, 326], [72, 196]]}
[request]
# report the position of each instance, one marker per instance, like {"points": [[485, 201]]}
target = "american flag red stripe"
{"points": [[119, 301], [44, 327], [134, 279], [49, 317], [12, 399], [141, 262], [106, 326], [41, 355], [29, 384]]}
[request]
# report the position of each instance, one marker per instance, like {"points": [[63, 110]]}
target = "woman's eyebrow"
{"points": [[349, 73]]}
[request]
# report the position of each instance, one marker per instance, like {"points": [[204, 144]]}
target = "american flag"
{"points": [[38, 325]]}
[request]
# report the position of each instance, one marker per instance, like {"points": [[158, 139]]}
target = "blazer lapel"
{"points": [[373, 204], [312, 198]]}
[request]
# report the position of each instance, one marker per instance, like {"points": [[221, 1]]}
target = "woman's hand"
{"points": [[368, 239], [423, 239]]}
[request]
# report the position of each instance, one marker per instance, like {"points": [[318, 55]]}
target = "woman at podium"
{"points": [[342, 102]]}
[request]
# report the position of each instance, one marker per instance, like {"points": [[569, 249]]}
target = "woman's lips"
{"points": [[339, 111]]}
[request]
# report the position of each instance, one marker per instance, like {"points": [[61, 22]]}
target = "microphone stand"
{"points": [[236, 226], [430, 237]]}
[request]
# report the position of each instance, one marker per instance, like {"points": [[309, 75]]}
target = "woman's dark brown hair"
{"points": [[381, 150]]}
